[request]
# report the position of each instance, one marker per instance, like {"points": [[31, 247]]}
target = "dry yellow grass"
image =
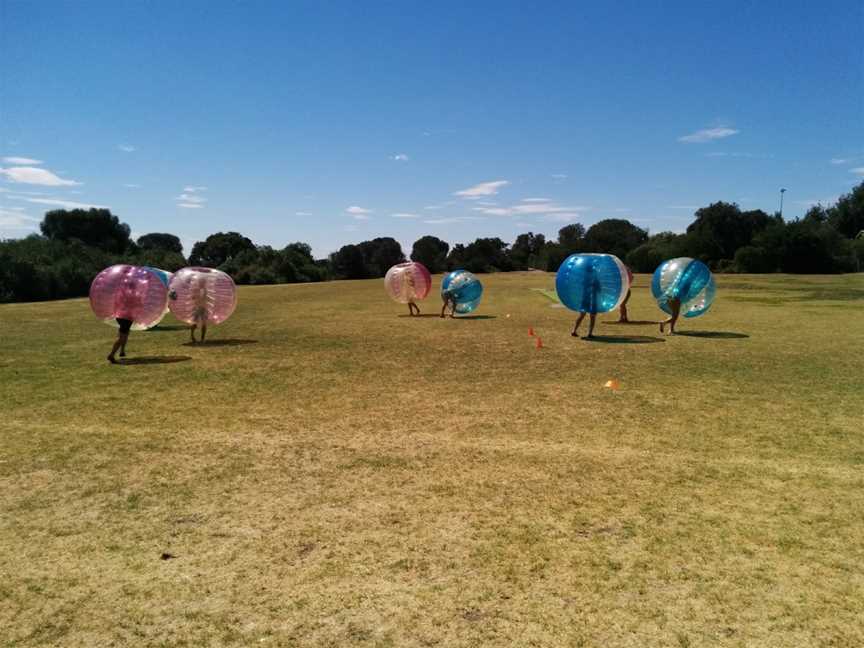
{"points": [[328, 473]]}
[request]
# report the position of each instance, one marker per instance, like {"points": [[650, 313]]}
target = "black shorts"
{"points": [[125, 324]]}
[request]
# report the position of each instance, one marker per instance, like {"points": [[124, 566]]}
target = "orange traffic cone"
{"points": [[539, 343], [613, 384], [531, 331]]}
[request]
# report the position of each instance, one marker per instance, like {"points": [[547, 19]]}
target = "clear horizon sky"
{"points": [[336, 122]]}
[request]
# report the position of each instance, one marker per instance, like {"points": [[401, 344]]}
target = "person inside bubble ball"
{"points": [[122, 337], [589, 304], [449, 302], [675, 307], [409, 280], [199, 315], [622, 309]]}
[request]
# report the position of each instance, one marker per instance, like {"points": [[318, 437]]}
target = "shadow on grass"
{"points": [[716, 335], [169, 327], [475, 317], [220, 343], [421, 315], [631, 322], [624, 339], [149, 360]]}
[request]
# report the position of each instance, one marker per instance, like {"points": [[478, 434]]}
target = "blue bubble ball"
{"points": [[592, 283], [687, 280], [464, 288]]}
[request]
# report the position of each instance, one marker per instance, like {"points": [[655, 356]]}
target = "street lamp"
{"points": [[782, 191]]}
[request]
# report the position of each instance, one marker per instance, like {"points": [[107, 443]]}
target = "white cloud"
{"points": [[358, 211], [536, 200], [708, 135], [442, 205], [559, 176], [833, 160], [191, 198], [126, 148], [562, 217], [404, 215], [857, 171], [21, 161], [65, 204], [13, 220], [482, 189], [530, 208], [132, 186], [360, 217], [454, 219], [34, 175], [302, 214], [400, 157]]}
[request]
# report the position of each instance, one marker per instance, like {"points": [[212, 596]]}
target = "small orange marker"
{"points": [[538, 344], [613, 384], [531, 331]]}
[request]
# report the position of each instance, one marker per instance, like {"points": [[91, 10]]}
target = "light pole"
{"points": [[782, 191]]}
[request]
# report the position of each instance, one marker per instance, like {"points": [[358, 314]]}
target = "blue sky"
{"points": [[337, 122]]}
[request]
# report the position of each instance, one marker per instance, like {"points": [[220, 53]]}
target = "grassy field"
{"points": [[329, 472]]}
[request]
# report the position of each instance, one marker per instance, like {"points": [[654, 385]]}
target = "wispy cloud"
{"points": [[302, 213], [738, 155], [23, 161], [833, 160], [482, 189], [400, 157], [442, 205], [37, 176], [536, 200], [131, 185], [359, 213], [454, 219], [559, 176], [708, 135], [127, 148], [857, 171], [544, 207], [13, 219], [404, 215], [190, 198], [65, 204], [562, 217]]}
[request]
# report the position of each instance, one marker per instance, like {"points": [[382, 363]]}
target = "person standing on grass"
{"points": [[592, 291], [449, 302], [675, 307], [122, 337], [199, 315], [622, 309]]}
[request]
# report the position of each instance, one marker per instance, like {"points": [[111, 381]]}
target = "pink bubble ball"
{"points": [[202, 296], [408, 282], [128, 292]]}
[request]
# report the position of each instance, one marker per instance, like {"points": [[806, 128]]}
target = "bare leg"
{"points": [[410, 309], [123, 346], [443, 308], [675, 307], [416, 308], [119, 343], [203, 331], [622, 310], [575, 331], [591, 320], [192, 332]]}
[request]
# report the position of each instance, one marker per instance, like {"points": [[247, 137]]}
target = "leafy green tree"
{"points": [[218, 248], [723, 228], [526, 249], [431, 252], [571, 238], [614, 236], [158, 241], [95, 227], [847, 216]]}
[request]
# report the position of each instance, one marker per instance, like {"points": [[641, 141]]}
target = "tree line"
{"points": [[74, 245]]}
